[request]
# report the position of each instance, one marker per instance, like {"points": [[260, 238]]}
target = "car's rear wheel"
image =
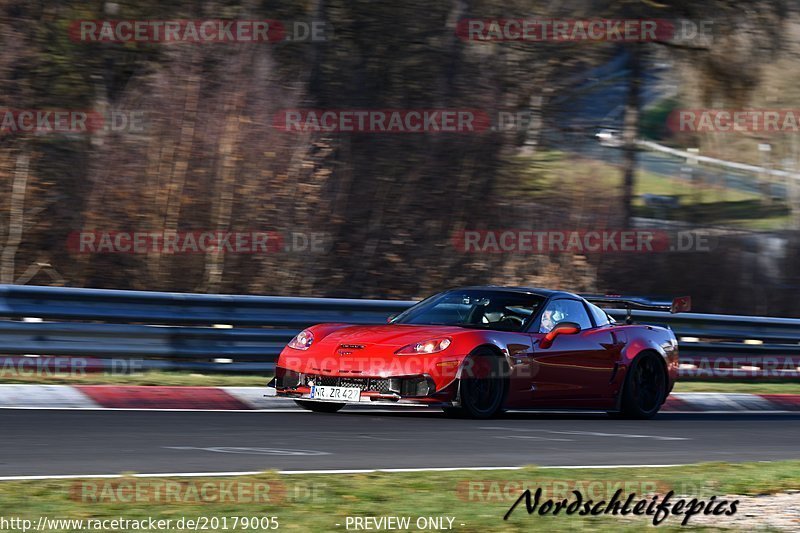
{"points": [[645, 387], [319, 407], [482, 387]]}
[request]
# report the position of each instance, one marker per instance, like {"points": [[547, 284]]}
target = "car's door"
{"points": [[575, 370]]}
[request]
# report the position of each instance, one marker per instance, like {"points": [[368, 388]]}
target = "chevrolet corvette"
{"points": [[477, 351]]}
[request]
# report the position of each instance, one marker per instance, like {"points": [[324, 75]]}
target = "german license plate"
{"points": [[344, 394]]}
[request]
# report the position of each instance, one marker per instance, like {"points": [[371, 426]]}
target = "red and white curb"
{"points": [[137, 397], [252, 399], [731, 402]]}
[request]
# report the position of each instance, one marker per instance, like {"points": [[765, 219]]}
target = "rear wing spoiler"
{"points": [[681, 304]]}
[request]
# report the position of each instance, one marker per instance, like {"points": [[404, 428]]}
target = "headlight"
{"points": [[425, 347], [302, 341]]}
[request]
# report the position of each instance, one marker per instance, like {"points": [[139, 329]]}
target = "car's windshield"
{"points": [[476, 308]]}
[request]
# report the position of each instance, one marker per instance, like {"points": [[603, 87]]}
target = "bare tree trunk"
{"points": [[160, 157], [630, 131], [228, 164], [180, 168], [16, 219]]}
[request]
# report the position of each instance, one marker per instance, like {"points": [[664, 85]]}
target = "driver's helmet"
{"points": [[559, 314], [553, 314]]}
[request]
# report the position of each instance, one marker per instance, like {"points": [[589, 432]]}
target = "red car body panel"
{"points": [[585, 370]]}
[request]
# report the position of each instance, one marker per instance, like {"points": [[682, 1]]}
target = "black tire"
{"points": [[319, 407], [482, 387], [645, 388]]}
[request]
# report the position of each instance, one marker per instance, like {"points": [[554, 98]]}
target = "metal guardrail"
{"points": [[178, 330], [58, 303]]}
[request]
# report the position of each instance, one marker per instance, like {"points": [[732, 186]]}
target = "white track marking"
{"points": [[116, 476], [587, 433], [531, 437], [250, 451], [325, 472], [740, 412], [367, 411], [152, 409]]}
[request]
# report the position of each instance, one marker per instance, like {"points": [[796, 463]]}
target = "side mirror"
{"points": [[562, 328], [390, 318]]}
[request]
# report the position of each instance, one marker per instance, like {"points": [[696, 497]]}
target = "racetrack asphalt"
{"points": [[86, 442]]}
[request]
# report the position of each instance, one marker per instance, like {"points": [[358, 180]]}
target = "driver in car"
{"points": [[552, 316]]}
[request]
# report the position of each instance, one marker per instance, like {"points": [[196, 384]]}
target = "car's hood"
{"points": [[387, 335]]}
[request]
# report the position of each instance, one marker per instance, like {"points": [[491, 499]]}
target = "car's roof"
{"points": [[545, 293]]}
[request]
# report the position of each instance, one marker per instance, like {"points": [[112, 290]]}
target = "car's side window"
{"points": [[564, 311], [600, 316]]}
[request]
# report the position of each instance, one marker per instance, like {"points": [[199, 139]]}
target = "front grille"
{"points": [[324, 380], [380, 385]]}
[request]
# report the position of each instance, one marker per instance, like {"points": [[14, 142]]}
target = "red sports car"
{"points": [[476, 351]]}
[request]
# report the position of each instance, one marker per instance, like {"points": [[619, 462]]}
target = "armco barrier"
{"points": [[178, 330]]}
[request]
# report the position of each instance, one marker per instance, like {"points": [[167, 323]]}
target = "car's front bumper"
{"points": [[422, 397]]}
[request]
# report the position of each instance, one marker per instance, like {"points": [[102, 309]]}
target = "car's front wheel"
{"points": [[319, 407], [645, 387], [482, 387]]}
